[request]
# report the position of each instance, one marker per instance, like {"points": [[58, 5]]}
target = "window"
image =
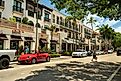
{"points": [[69, 35], [57, 20], [39, 14], [53, 18], [57, 29], [1, 44], [18, 19], [30, 13], [14, 44], [69, 24], [61, 23], [79, 28], [0, 14], [17, 6], [46, 18], [66, 23]]}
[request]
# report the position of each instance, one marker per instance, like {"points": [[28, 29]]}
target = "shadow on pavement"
{"points": [[75, 71]]}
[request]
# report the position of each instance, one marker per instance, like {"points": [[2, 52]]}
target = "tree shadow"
{"points": [[76, 71]]}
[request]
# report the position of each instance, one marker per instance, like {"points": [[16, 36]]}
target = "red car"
{"points": [[33, 58]]}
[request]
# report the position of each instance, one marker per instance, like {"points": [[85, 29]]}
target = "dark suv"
{"points": [[118, 52]]}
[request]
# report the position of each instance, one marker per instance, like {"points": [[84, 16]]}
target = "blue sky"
{"points": [[114, 24]]}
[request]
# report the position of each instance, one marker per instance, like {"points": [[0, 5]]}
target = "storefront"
{"points": [[53, 45], [27, 42], [2, 38], [63, 46], [14, 42], [43, 43]]}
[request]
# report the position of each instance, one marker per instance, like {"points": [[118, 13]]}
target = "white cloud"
{"points": [[101, 21], [118, 29]]}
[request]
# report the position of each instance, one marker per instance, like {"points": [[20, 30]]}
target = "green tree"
{"points": [[81, 8], [25, 20], [116, 40], [107, 34]]}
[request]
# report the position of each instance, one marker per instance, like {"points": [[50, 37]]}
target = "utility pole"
{"points": [[36, 26]]}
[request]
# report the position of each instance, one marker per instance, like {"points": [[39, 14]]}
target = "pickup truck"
{"points": [[33, 58], [5, 57]]}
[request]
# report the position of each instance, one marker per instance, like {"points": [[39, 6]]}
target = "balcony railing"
{"points": [[7, 24], [13, 25], [2, 4], [18, 9], [26, 28]]}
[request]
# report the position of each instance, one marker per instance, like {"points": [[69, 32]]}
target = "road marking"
{"points": [[112, 76]]}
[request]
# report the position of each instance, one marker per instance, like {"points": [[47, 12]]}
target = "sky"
{"points": [[114, 24]]}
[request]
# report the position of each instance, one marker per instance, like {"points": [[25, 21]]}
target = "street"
{"points": [[108, 68]]}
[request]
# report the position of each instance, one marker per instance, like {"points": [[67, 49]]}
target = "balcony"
{"points": [[13, 25], [18, 10], [47, 19], [7, 24], [26, 28], [2, 4]]}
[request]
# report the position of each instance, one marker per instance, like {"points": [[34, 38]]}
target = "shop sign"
{"points": [[15, 31]]}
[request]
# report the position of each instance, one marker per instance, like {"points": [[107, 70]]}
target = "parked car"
{"points": [[99, 52], [79, 53], [33, 58], [118, 52], [5, 57], [110, 51]]}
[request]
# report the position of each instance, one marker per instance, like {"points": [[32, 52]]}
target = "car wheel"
{"points": [[48, 59], [4, 63], [33, 61]]}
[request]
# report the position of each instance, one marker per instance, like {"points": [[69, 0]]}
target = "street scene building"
{"points": [[19, 19]]}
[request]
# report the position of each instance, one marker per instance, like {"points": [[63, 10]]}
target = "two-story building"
{"points": [[20, 23]]}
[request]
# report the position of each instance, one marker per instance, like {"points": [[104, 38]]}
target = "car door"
{"points": [[43, 55], [39, 57]]}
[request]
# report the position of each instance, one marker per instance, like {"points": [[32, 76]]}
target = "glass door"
{"points": [[1, 44]]}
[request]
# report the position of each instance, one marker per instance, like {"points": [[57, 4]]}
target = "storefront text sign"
{"points": [[15, 31]]}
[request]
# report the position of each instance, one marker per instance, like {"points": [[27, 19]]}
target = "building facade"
{"points": [[18, 27]]}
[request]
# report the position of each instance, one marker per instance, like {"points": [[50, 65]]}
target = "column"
{"points": [[89, 45], [66, 46], [21, 43], [7, 42]]}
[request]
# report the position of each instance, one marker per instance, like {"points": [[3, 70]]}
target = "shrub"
{"points": [[54, 55], [66, 53], [12, 19], [31, 23], [25, 20]]}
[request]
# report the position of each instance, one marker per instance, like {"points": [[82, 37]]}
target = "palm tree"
{"points": [[92, 22], [107, 35], [51, 28]]}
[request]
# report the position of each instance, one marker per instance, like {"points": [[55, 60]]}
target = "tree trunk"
{"points": [[51, 39]]}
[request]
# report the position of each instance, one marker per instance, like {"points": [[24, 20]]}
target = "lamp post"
{"points": [[36, 26]]}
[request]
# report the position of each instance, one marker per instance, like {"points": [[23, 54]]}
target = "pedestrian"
{"points": [[26, 49], [94, 56]]}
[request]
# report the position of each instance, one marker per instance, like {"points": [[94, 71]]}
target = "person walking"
{"points": [[94, 56]]}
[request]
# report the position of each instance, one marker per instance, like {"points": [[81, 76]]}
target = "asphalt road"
{"points": [[67, 69]]}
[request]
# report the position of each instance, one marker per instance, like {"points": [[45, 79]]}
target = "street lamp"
{"points": [[36, 26]]}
